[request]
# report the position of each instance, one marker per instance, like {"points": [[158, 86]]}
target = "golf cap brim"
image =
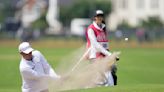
{"points": [[101, 15], [27, 51]]}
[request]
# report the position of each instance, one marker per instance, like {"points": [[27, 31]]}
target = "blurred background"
{"points": [[139, 20], [57, 28]]}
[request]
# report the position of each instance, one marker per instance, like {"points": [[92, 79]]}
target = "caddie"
{"points": [[97, 41]]}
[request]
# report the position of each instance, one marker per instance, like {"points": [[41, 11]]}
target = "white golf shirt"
{"points": [[36, 73]]}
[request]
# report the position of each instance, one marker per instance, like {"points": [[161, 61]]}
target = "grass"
{"points": [[139, 69]]}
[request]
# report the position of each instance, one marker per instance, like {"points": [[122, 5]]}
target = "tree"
{"points": [[7, 9], [152, 23], [83, 9]]}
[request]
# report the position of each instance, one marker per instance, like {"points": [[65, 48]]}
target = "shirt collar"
{"points": [[103, 26]]}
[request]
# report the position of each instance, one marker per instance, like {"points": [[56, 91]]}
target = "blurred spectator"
{"points": [[11, 25], [29, 12], [118, 35], [140, 33], [51, 18], [147, 36]]}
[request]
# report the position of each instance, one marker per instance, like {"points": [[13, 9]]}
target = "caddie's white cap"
{"points": [[25, 48], [99, 12]]}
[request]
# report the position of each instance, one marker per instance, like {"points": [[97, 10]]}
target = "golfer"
{"points": [[35, 70]]}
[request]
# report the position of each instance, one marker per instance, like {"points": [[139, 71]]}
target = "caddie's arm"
{"points": [[94, 42]]}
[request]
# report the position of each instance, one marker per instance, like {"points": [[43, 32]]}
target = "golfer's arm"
{"points": [[45, 64], [94, 42], [48, 69], [53, 74], [28, 73]]}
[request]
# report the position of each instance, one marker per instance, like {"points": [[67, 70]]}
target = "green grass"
{"points": [[141, 66], [139, 69]]}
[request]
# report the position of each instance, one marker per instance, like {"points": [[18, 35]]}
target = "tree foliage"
{"points": [[83, 9], [152, 23]]}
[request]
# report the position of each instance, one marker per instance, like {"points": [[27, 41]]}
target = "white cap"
{"points": [[25, 48], [99, 12]]}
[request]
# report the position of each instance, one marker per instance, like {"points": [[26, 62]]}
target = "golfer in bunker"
{"points": [[35, 70]]}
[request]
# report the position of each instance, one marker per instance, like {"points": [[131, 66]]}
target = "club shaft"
{"points": [[81, 59]]}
